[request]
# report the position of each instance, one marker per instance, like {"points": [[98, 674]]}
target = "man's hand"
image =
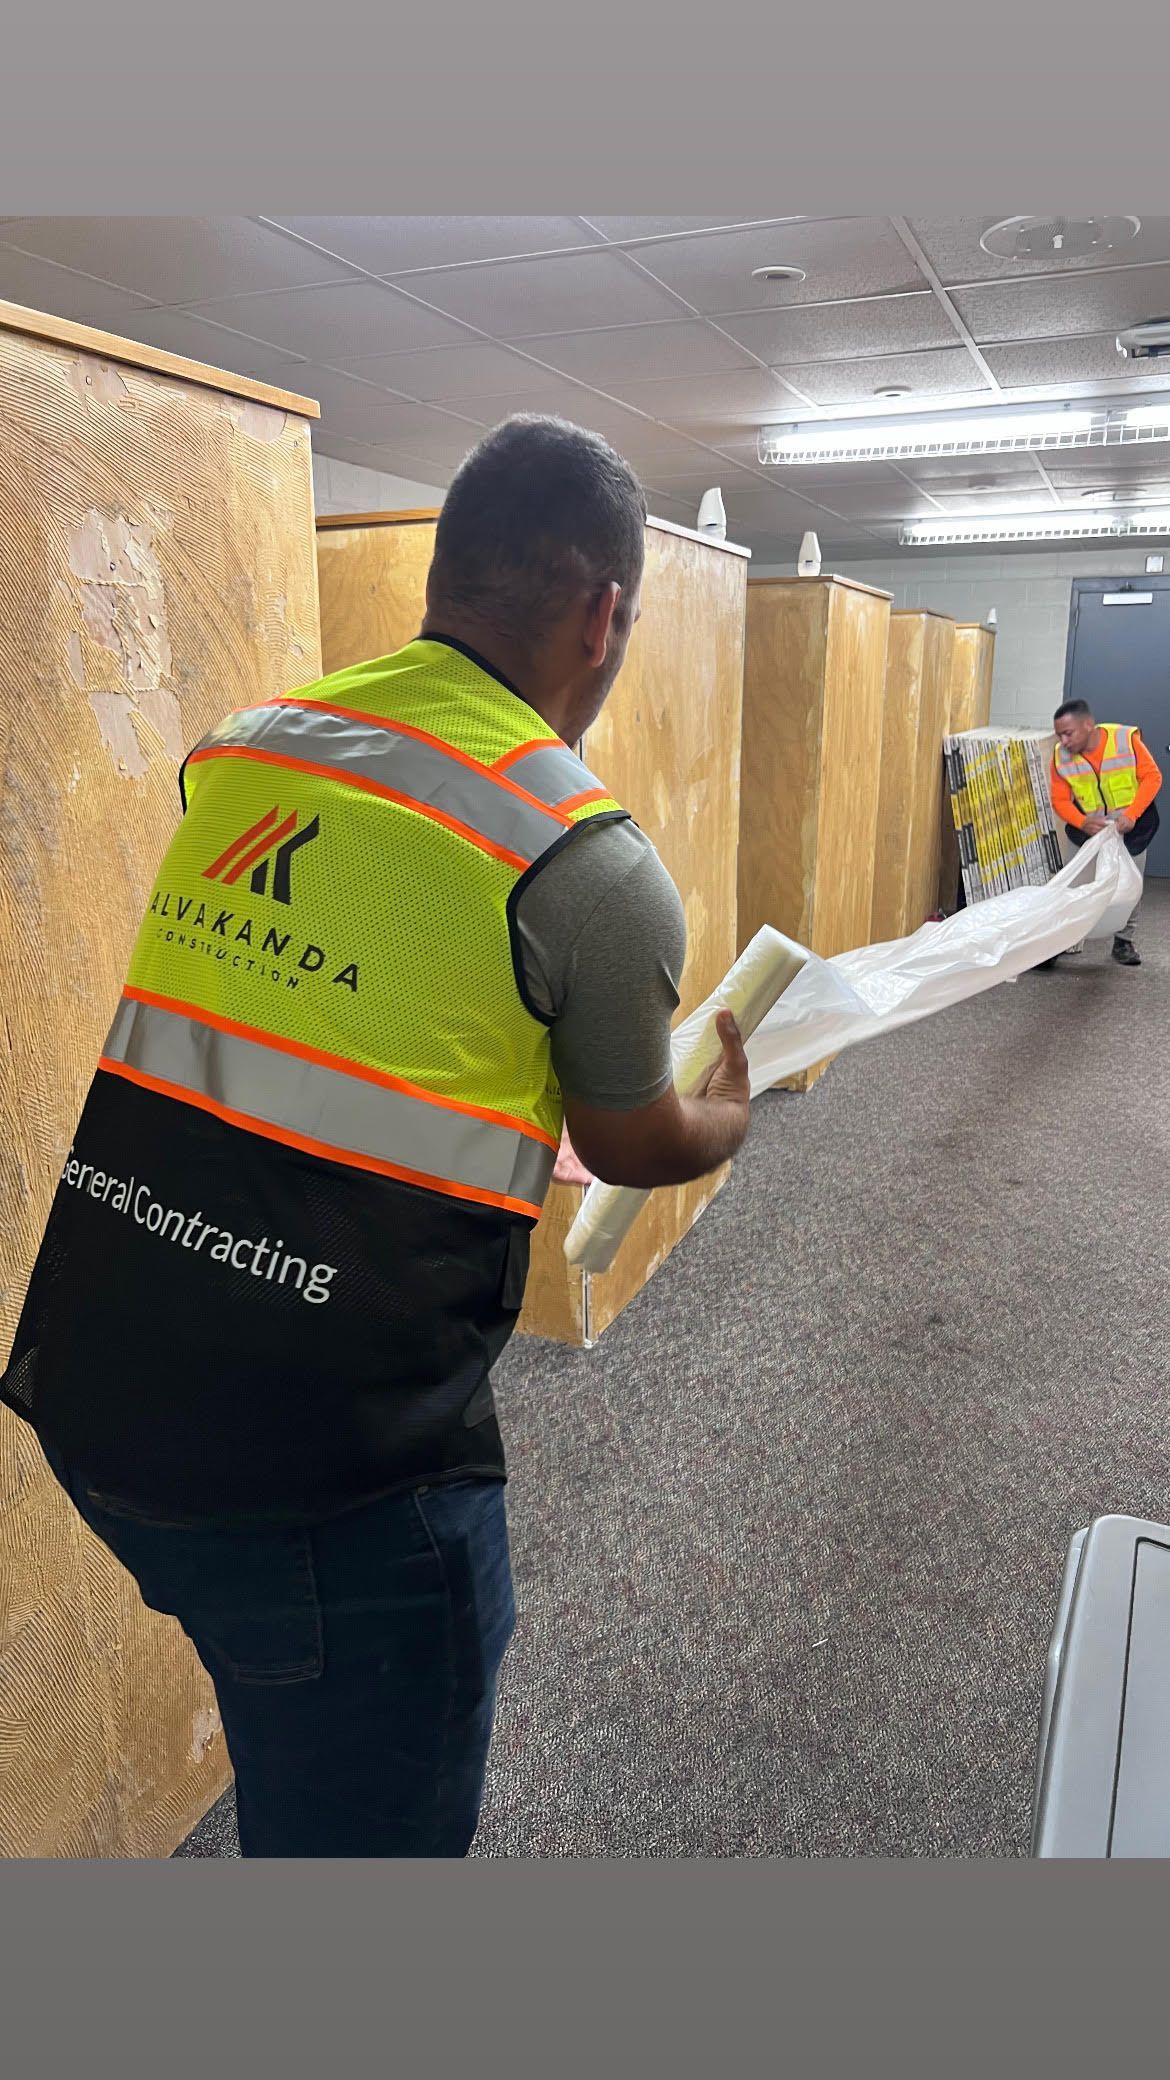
{"points": [[729, 1081], [1124, 822], [569, 1167], [676, 1138], [1093, 824]]}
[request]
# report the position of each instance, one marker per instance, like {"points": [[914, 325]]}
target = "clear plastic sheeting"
{"points": [[750, 989], [795, 1009], [837, 1003]]}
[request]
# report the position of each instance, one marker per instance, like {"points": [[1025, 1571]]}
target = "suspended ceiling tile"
{"points": [[341, 395], [712, 404], [41, 287], [512, 298], [1122, 467], [935, 470], [945, 372], [394, 462], [773, 513], [197, 339], [872, 502], [1103, 395], [1092, 358], [392, 245], [417, 468], [639, 352], [639, 439], [846, 257], [624, 228], [823, 476], [951, 244], [979, 486], [1022, 499], [354, 320], [1069, 303], [661, 506], [709, 469], [457, 373], [413, 427], [175, 259], [844, 331]]}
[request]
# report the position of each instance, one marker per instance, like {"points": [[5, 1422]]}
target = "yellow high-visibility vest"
{"points": [[1118, 783], [328, 959]]}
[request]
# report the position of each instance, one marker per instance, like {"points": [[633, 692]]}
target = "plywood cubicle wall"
{"points": [[812, 735], [156, 569], [919, 665], [667, 744], [974, 662], [969, 707]]}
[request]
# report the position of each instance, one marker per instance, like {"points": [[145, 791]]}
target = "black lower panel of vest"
{"points": [[219, 1326]]}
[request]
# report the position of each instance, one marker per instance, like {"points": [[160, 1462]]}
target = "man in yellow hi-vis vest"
{"points": [[401, 936], [1103, 773]]}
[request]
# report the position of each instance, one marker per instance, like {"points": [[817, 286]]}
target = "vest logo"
{"points": [[269, 842]]}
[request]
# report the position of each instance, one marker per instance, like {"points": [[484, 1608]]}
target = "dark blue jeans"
{"points": [[354, 1661]]}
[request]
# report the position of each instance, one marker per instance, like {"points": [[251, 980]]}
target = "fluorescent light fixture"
{"points": [[963, 433], [1055, 524]]}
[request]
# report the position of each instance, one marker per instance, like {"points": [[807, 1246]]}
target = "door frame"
{"points": [[1151, 581]]}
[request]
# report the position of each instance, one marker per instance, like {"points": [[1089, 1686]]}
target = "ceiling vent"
{"points": [[1058, 238]]}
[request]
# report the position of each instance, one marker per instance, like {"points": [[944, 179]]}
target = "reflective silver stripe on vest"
{"points": [[552, 773], [381, 754], [327, 1105], [1122, 755]]}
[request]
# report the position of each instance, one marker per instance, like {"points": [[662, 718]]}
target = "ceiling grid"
{"points": [[417, 333]]}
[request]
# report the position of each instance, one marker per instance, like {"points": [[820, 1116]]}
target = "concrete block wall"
{"points": [[345, 487], [1031, 592]]}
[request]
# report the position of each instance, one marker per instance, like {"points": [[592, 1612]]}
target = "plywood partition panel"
{"points": [[812, 733], [916, 703], [373, 583], [974, 661], [156, 569], [668, 745]]}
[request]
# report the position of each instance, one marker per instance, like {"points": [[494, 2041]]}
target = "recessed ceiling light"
{"points": [[778, 274], [895, 436], [892, 390], [1051, 524], [1057, 238]]}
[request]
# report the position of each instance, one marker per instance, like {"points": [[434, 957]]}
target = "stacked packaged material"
{"points": [[997, 781]]}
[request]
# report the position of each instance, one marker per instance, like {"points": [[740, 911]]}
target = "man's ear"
{"points": [[599, 617]]}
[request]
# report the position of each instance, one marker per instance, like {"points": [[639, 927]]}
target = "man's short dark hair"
{"points": [[1072, 708], [538, 512]]}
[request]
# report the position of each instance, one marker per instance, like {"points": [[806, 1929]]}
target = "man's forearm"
{"points": [[711, 1133]]}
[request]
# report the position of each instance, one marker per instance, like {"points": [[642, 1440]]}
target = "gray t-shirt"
{"points": [[603, 936]]}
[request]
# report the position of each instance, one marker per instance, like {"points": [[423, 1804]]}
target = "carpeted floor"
{"points": [[787, 1543]]}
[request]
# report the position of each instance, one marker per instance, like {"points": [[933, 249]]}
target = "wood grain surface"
{"points": [[917, 692], [814, 680], [107, 346], [157, 568]]}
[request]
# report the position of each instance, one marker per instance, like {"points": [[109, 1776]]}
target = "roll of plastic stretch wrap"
{"points": [[750, 989]]}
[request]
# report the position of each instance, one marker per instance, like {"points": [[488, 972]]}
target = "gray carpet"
{"points": [[787, 1543]]}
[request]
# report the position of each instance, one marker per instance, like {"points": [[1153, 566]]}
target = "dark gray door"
{"points": [[1119, 661]]}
